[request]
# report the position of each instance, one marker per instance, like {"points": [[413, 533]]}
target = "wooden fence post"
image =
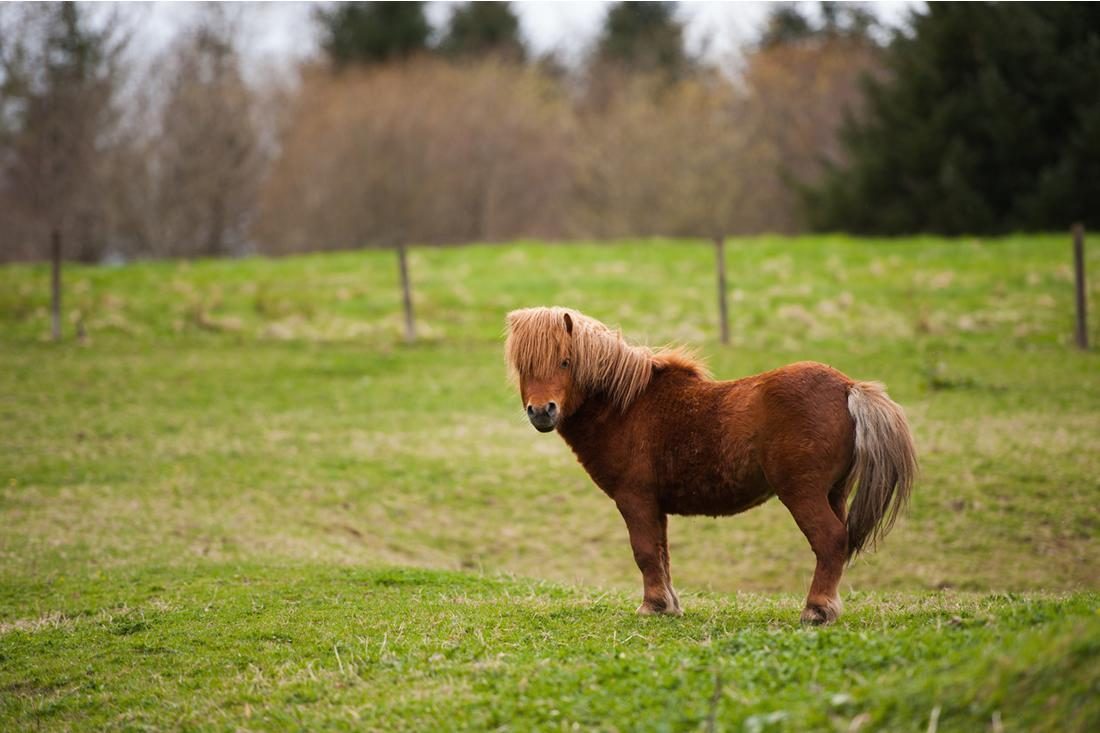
{"points": [[723, 311], [55, 283], [1082, 331], [406, 294]]}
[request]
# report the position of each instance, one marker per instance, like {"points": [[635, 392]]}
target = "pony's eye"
{"points": [[564, 363]]}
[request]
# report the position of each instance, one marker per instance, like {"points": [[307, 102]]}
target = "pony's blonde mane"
{"points": [[601, 359]]}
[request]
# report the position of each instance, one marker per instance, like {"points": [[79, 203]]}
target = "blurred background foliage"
{"points": [[968, 119]]}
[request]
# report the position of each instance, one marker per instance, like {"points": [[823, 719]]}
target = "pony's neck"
{"points": [[593, 416], [596, 427], [599, 421], [591, 430]]}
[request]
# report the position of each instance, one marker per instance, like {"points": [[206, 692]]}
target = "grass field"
{"points": [[240, 502]]}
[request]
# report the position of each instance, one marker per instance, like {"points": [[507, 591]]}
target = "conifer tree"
{"points": [[988, 121], [373, 32], [644, 36], [483, 28]]}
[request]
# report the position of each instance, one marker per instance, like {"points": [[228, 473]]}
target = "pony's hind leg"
{"points": [[648, 528], [838, 500], [818, 519]]}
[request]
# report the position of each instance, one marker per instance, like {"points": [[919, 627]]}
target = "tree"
{"points": [[788, 23], [208, 165], [483, 28], [373, 32], [645, 37], [988, 121], [59, 77], [804, 79]]}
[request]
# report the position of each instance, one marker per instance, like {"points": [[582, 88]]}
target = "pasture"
{"points": [[239, 501]]}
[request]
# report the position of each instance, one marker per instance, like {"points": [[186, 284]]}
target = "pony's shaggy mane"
{"points": [[601, 359]]}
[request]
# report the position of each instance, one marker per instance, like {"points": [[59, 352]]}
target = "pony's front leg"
{"points": [[648, 527]]}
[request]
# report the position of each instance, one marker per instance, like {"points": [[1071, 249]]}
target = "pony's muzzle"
{"points": [[544, 418]]}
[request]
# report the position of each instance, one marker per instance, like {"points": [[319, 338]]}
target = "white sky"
{"points": [[282, 33]]}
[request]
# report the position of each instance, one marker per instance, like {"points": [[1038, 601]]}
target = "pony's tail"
{"points": [[884, 465]]}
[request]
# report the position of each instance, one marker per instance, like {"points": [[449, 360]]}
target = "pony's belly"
{"points": [[690, 500]]}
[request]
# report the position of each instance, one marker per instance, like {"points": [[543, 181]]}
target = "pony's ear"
{"points": [[568, 324]]}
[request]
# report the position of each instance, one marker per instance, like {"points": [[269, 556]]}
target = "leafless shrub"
{"points": [[799, 94], [207, 165], [425, 152], [674, 159], [707, 155]]}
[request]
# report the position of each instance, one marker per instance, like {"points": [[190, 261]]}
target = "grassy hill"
{"points": [[206, 502]]}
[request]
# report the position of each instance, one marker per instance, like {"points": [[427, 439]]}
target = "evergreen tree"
{"points": [[480, 28], [373, 32], [644, 36], [788, 23], [989, 121]]}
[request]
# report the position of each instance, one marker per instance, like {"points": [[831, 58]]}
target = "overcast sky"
{"points": [[283, 33]]}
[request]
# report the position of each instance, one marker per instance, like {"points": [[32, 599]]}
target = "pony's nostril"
{"points": [[551, 408], [530, 411]]}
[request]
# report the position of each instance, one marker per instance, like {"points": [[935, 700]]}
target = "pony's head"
{"points": [[558, 357], [540, 357]]}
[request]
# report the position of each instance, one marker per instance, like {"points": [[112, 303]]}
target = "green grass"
{"points": [[240, 502], [253, 646]]}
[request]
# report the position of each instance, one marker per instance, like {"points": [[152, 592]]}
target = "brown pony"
{"points": [[661, 437]]}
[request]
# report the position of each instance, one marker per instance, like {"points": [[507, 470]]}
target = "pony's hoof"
{"points": [[654, 609], [815, 615]]}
